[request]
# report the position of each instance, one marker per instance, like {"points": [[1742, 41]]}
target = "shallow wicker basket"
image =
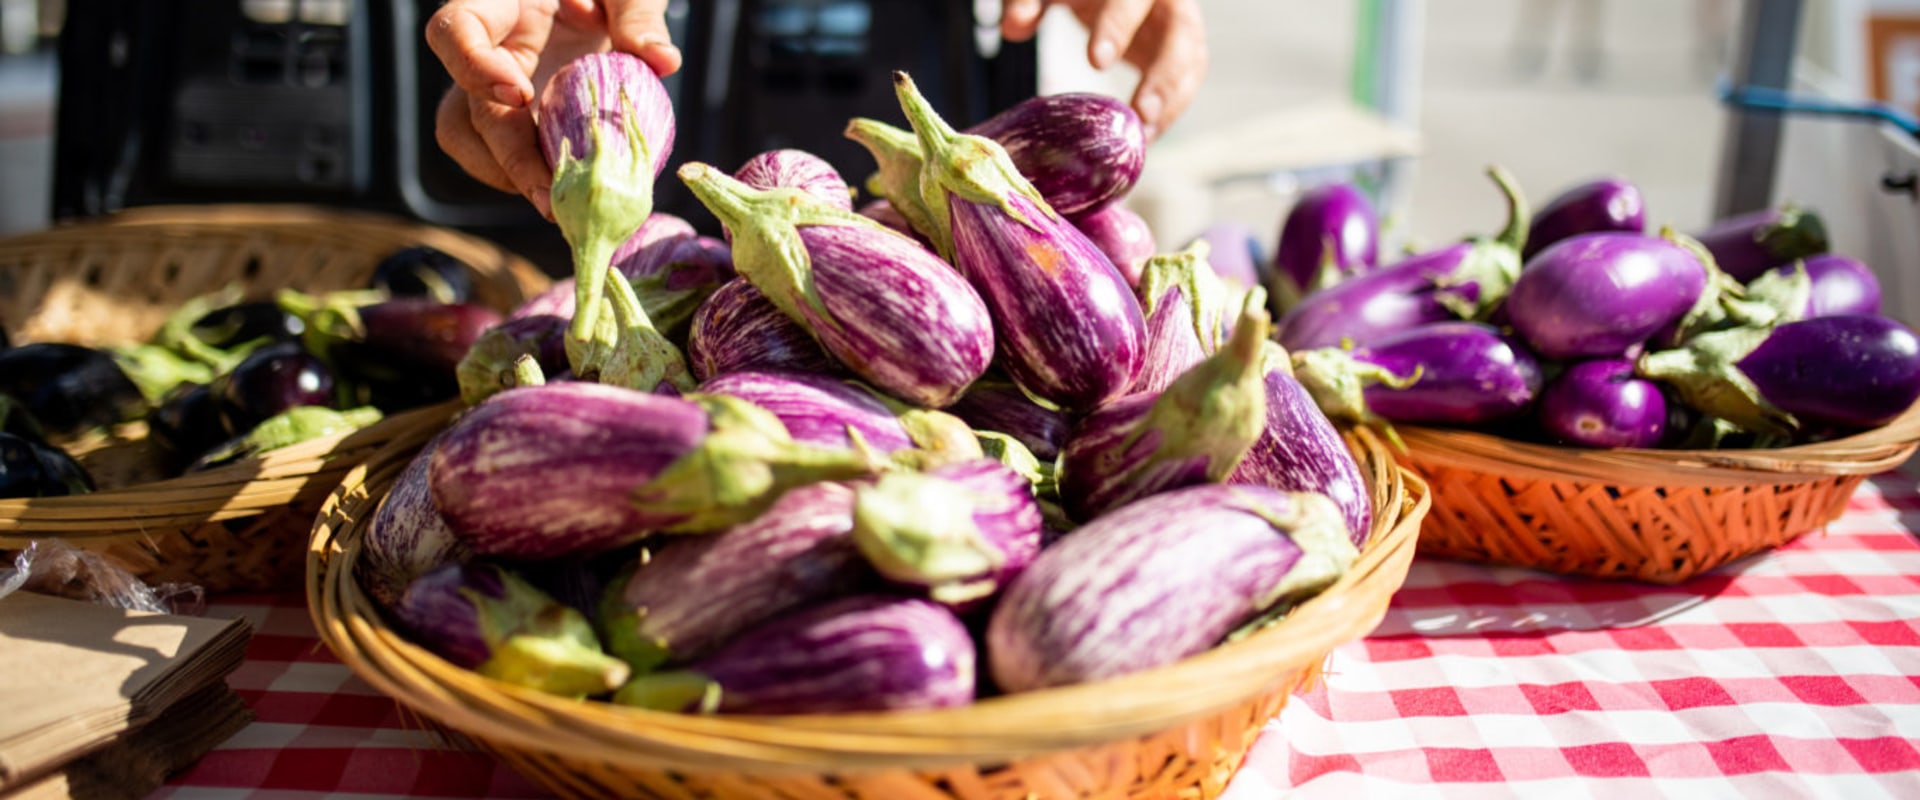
{"points": [[1176, 732], [112, 281], [1659, 516]]}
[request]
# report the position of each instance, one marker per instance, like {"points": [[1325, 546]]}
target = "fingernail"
{"points": [[508, 94], [1103, 51]]}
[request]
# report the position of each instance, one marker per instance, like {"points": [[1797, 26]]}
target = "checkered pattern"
{"points": [[1792, 674]]}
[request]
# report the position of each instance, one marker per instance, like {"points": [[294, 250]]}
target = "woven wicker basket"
{"points": [[243, 526], [1659, 516], [1175, 732]]}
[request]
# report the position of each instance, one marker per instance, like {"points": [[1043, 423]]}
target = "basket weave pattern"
{"points": [[1176, 732], [114, 281]]}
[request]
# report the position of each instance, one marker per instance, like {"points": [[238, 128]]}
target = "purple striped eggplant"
{"points": [[558, 299], [580, 468], [1197, 431], [1123, 236], [1598, 295], [673, 276], [1301, 451], [1847, 372], [1081, 151], [1234, 251], [883, 212], [407, 536], [487, 619], [1819, 286], [888, 309], [695, 593], [898, 180], [1605, 204], [824, 411], [1189, 313], [1068, 326], [1600, 403], [1461, 281], [959, 532], [1747, 245], [861, 653], [1160, 580], [493, 363], [1332, 233], [739, 329], [995, 404], [1447, 373], [797, 169]]}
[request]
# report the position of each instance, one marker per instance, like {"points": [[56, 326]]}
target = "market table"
{"points": [[1791, 674]]}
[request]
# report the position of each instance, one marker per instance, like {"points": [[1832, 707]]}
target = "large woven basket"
{"points": [[1176, 732], [112, 281], [1658, 516]]}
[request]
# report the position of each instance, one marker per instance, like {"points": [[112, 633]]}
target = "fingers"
{"points": [[1111, 31], [1170, 48], [1020, 19], [640, 27], [466, 35], [453, 128], [515, 147]]}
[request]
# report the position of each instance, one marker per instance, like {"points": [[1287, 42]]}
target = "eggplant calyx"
{"points": [[678, 692], [1786, 293], [972, 168], [1722, 301], [538, 643], [1217, 409], [1519, 215], [600, 201], [1012, 454], [919, 529], [1707, 375], [1207, 296], [156, 370], [492, 365], [898, 154], [1316, 525], [1329, 272], [939, 438], [1486, 272], [176, 333], [626, 349], [1337, 381], [1796, 234]]}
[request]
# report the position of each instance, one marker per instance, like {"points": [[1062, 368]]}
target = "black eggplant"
{"points": [[68, 387], [187, 423], [408, 351], [270, 381], [32, 469], [423, 271]]}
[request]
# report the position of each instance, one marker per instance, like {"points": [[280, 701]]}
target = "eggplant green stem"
{"points": [[1338, 381], [898, 154], [542, 644], [678, 692], [1519, 214], [599, 202], [1722, 302], [1206, 295], [1707, 375], [1217, 409], [973, 168], [920, 529]]}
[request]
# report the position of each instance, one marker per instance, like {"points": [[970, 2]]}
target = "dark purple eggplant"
{"points": [[416, 340], [423, 271], [996, 404], [1081, 151], [271, 380], [1160, 580], [884, 306], [797, 169], [407, 537], [1123, 236], [1196, 431], [187, 423], [68, 388], [1605, 204], [1597, 295], [1332, 233], [1301, 451], [487, 619], [959, 532], [696, 593], [16, 420], [1068, 326], [1461, 281], [739, 329], [1747, 245], [1601, 403], [1234, 251], [231, 326], [578, 468], [32, 469], [1848, 371], [824, 411], [862, 653], [1819, 286], [493, 363], [1447, 373], [1189, 313]]}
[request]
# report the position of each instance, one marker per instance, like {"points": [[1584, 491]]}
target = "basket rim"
{"points": [[997, 729]]}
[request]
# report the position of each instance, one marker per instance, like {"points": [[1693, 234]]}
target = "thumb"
{"points": [[640, 27]]}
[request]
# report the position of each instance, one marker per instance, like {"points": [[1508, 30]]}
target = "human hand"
{"points": [[500, 52], [1165, 39]]}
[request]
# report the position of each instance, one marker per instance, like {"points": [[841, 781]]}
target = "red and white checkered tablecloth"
{"points": [[1791, 674]]}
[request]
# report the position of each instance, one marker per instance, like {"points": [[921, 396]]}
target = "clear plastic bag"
{"points": [[51, 566]]}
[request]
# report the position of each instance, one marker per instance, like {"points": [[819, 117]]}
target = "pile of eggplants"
{"points": [[1748, 333], [892, 458]]}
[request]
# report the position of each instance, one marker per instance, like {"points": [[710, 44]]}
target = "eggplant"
{"points": [[1234, 252], [1300, 450], [673, 276], [579, 468], [1196, 431], [32, 469], [187, 423], [1601, 403], [484, 618], [1162, 579], [270, 381], [1461, 281], [1852, 372], [996, 404], [423, 271], [1081, 151], [1447, 373], [659, 225], [1123, 236], [862, 653], [231, 326], [1747, 245], [493, 363], [696, 593], [407, 537], [739, 329], [1068, 327], [958, 533], [898, 180], [888, 309], [823, 411], [1332, 233], [797, 169], [1818, 286], [69, 388], [1189, 313], [1601, 205], [16, 420], [883, 212], [287, 428], [408, 349], [1597, 295]]}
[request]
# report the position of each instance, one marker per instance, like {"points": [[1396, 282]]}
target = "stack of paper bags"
{"points": [[98, 702]]}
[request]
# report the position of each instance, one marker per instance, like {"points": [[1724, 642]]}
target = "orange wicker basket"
{"points": [[115, 280], [1176, 732], [1659, 516]]}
